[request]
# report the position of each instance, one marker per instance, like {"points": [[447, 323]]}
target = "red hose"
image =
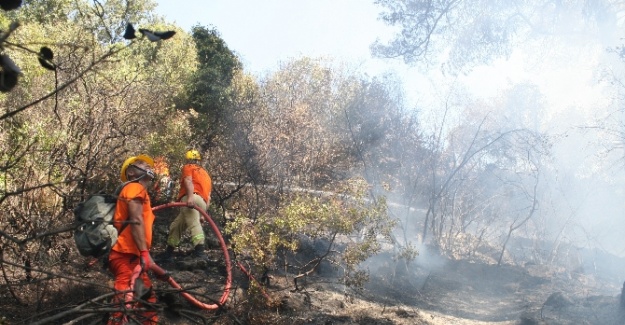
{"points": [[166, 277]]}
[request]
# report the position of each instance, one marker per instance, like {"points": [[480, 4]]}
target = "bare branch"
{"points": [[66, 84]]}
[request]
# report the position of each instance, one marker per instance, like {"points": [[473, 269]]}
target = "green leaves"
{"points": [[209, 91], [10, 72], [341, 227]]}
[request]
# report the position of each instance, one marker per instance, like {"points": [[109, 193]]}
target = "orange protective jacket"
{"points": [[202, 183], [125, 243]]}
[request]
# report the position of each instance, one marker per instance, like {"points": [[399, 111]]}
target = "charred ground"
{"points": [[421, 292]]}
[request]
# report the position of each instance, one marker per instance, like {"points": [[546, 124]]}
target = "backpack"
{"points": [[96, 234]]}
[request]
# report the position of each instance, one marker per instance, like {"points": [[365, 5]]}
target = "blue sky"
{"points": [[263, 33]]}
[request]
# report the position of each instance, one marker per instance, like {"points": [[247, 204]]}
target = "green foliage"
{"points": [[352, 227], [44, 12], [172, 138], [209, 91], [64, 133]]}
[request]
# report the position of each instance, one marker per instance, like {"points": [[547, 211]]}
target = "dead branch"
{"points": [[3, 261], [316, 262], [6, 279], [65, 85], [78, 319], [45, 234], [79, 309]]}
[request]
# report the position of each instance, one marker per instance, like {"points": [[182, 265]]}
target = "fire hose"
{"points": [[165, 276]]}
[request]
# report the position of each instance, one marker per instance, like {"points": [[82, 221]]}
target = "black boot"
{"points": [[199, 252], [168, 255]]}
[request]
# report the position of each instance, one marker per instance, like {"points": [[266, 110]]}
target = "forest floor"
{"points": [[445, 292]]}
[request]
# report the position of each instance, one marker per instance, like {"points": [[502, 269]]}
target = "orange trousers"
{"points": [[122, 265]]}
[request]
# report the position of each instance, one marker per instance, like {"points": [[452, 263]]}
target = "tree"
{"points": [[64, 132], [208, 91], [483, 177], [309, 137], [319, 230], [299, 128], [468, 33]]}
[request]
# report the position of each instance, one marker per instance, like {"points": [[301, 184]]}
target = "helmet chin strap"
{"points": [[146, 172]]}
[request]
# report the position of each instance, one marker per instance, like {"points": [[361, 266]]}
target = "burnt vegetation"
{"points": [[329, 192]]}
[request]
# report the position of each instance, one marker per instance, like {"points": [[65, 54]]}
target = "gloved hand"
{"points": [[190, 203], [145, 260]]}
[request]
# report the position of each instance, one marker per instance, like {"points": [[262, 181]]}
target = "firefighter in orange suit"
{"points": [[195, 190], [130, 258]]}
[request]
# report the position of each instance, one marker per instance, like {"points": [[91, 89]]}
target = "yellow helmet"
{"points": [[131, 161], [193, 155]]}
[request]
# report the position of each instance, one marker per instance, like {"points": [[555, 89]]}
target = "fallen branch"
{"points": [[2, 261], [6, 279], [79, 309]]}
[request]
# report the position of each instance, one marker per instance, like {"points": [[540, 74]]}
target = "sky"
{"points": [[264, 33]]}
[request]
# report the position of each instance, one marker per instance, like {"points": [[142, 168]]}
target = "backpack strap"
{"points": [[116, 196], [122, 228]]}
